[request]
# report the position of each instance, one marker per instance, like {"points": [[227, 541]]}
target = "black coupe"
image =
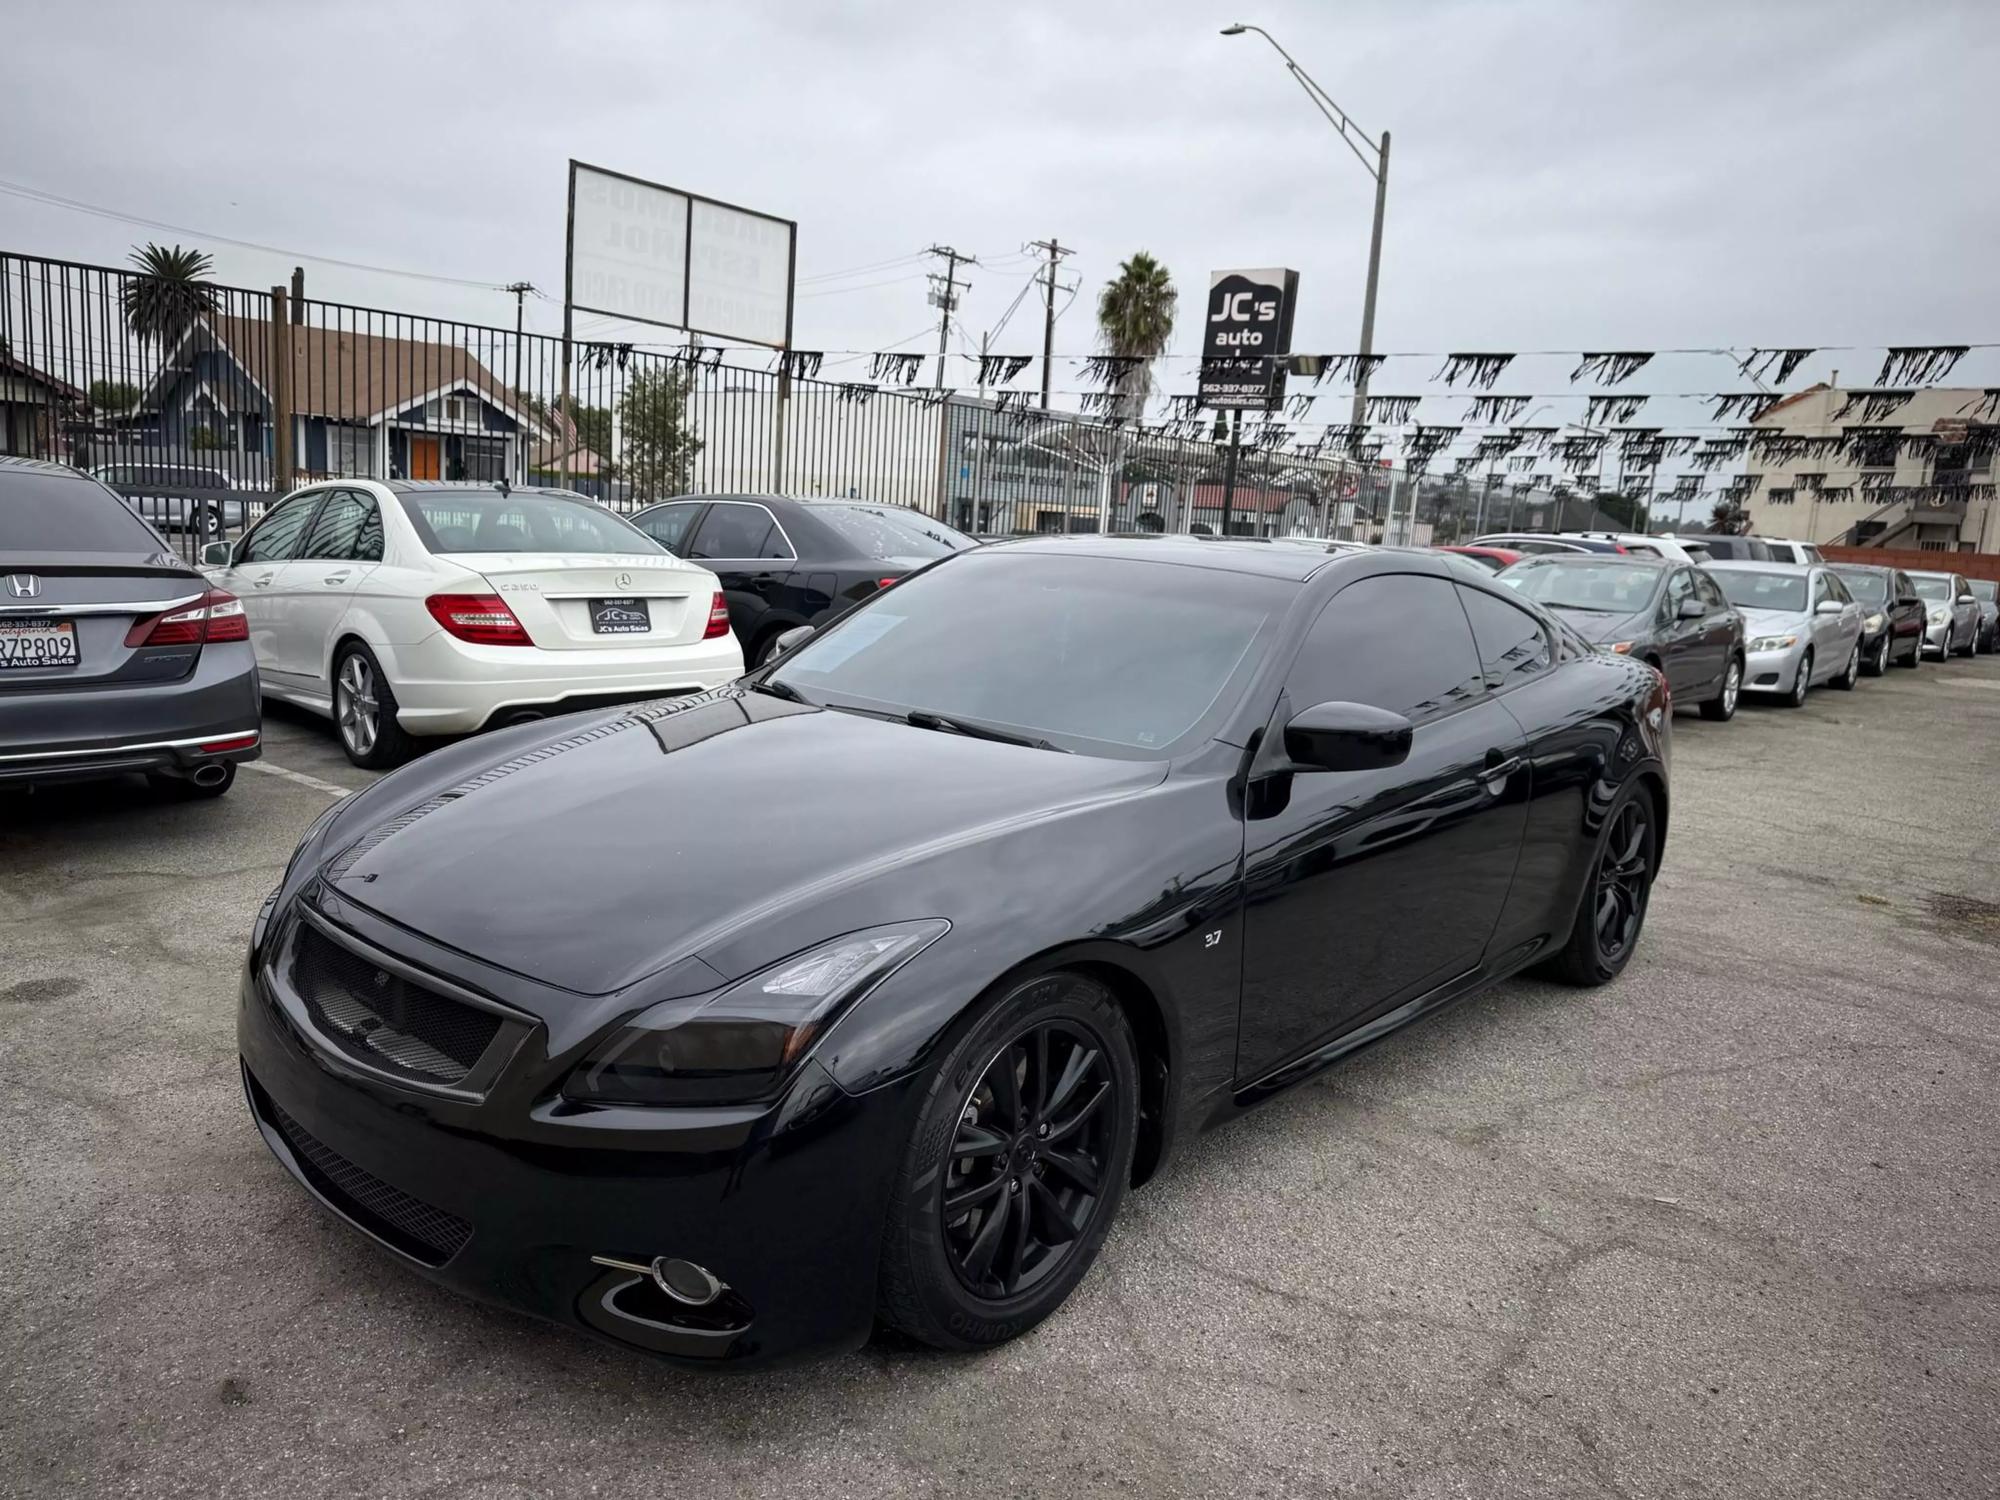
{"points": [[863, 989]]}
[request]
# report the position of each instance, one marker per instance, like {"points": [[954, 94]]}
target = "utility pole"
{"points": [[1055, 253], [1229, 471], [520, 289], [947, 302]]}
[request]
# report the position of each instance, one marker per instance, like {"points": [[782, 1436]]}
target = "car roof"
{"points": [[469, 486], [10, 464], [1231, 554], [1603, 559], [1759, 565]]}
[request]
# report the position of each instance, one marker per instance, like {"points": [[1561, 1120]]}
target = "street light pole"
{"points": [[1377, 169]]}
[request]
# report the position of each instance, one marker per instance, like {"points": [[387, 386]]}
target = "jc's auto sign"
{"points": [[1248, 335]]}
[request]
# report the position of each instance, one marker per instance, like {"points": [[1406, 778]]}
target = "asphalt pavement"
{"points": [[1729, 1227]]}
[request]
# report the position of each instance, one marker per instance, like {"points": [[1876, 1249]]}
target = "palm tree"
{"points": [[170, 293], [1135, 318]]}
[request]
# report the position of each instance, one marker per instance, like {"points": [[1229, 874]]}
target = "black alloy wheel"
{"points": [[1019, 1158], [1028, 1162], [1612, 912], [1878, 659], [1916, 656]]}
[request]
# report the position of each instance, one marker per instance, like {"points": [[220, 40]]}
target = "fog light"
{"points": [[684, 1281]]}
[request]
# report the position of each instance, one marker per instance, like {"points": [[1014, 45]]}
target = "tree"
{"points": [[1135, 319], [592, 423], [658, 448], [113, 396], [1728, 518], [170, 294]]}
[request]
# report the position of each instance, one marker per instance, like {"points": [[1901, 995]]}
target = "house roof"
{"points": [[349, 376], [1797, 396], [61, 389]]}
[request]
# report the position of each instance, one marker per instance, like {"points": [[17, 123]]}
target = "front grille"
{"points": [[380, 1018], [420, 1230]]}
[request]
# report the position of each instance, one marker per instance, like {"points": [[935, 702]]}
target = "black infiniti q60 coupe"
{"points": [[861, 990]]}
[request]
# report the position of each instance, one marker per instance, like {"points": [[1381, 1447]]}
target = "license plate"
{"points": [[620, 617], [26, 645]]}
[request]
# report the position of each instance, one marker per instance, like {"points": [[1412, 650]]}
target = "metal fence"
{"points": [[202, 403]]}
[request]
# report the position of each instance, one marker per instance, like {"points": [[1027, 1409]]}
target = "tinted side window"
{"points": [[1710, 594], [343, 530], [1511, 642], [1679, 587], [1839, 587], [278, 536], [733, 530], [1397, 642], [1822, 588], [669, 524]]}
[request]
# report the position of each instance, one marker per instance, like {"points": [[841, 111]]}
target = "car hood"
{"points": [[1758, 622], [612, 850]]}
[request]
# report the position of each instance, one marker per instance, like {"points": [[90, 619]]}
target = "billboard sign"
{"points": [[647, 253], [1248, 335]]}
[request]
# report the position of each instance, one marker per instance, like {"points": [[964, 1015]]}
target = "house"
{"points": [[363, 404], [1935, 495], [32, 404]]}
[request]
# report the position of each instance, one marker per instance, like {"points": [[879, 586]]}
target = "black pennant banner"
{"points": [[1495, 411], [898, 369], [1110, 369], [1920, 364], [1875, 406], [1342, 369], [1604, 410], [1002, 369], [1749, 405], [1392, 411], [854, 393], [1611, 369], [803, 364], [1536, 438], [1778, 364], [1476, 370], [929, 399]]}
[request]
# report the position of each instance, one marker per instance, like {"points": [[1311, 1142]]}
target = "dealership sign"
{"points": [[1249, 333]]}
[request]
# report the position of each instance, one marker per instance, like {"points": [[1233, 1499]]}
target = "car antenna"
{"points": [[501, 486]]}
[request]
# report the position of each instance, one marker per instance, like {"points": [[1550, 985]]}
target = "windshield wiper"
{"points": [[782, 690], [923, 718]]}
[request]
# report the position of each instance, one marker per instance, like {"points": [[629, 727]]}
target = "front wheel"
{"points": [[1802, 683], [1613, 909], [364, 711], [1878, 659], [1966, 649], [1916, 656], [1722, 707], [1015, 1168]]}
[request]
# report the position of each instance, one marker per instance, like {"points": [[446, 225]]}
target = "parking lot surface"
{"points": [[1728, 1227]]}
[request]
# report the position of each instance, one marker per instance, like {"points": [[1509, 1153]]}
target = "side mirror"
{"points": [[216, 554], [1692, 608], [1347, 737], [796, 636], [1828, 607], [1967, 599]]}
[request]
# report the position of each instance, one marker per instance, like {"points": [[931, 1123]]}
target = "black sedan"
{"points": [[115, 656], [1667, 614], [1894, 628], [786, 563], [865, 987]]}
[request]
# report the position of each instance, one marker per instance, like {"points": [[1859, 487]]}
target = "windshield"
{"points": [[1869, 588], [1746, 590], [1930, 586], [488, 521], [1584, 583], [891, 531], [1985, 590], [1114, 657]]}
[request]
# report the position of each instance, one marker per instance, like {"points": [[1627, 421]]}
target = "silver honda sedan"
{"points": [[1804, 627]]}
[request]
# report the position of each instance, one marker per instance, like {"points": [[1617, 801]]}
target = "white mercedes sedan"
{"points": [[402, 610]]}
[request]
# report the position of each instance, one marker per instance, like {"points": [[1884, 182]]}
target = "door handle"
{"points": [[334, 578], [261, 583], [1499, 766], [763, 580]]}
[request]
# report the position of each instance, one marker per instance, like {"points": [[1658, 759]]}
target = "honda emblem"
{"points": [[23, 585]]}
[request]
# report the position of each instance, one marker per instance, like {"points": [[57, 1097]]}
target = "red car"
{"points": [[1493, 559]]}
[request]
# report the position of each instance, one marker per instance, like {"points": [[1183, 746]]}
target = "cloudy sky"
{"points": [[1566, 173]]}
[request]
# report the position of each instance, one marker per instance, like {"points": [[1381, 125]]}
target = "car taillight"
{"points": [[482, 619], [718, 618], [216, 616]]}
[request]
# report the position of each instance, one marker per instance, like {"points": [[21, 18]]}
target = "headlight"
{"points": [[1874, 623], [1774, 643], [1938, 617], [1621, 647], [740, 1044]]}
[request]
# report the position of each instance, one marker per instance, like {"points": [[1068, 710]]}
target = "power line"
{"points": [[56, 200]]}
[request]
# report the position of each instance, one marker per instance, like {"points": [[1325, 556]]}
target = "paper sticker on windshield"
{"points": [[851, 639]]}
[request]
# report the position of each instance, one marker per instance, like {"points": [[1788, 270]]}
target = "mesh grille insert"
{"points": [[419, 1229], [385, 1020]]}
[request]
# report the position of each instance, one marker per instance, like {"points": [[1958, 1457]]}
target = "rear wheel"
{"points": [[1613, 909], [1722, 707], [1015, 1168], [1852, 673], [364, 712]]}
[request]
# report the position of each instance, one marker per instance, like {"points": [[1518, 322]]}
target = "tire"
{"points": [[1803, 685], [1878, 660], [1965, 650], [1916, 655], [1846, 680], [945, 1282], [1722, 707], [1587, 959], [180, 789], [765, 644], [373, 739]]}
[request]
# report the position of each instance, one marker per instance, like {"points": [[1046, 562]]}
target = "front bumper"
{"points": [[507, 1197], [82, 733], [448, 686], [1938, 638], [1772, 671]]}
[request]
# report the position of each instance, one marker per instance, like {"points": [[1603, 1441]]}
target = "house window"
{"points": [[350, 452], [485, 459], [1878, 452], [1780, 497]]}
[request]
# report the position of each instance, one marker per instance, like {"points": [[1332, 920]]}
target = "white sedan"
{"points": [[402, 609]]}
